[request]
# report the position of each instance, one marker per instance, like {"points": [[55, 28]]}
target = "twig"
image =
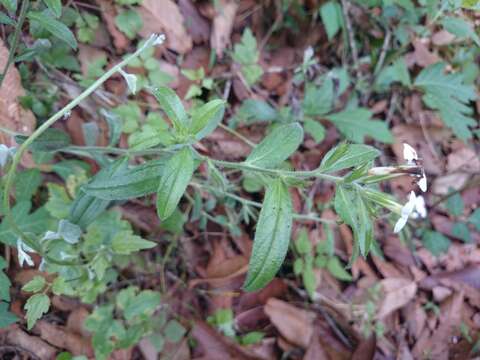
{"points": [[383, 52], [351, 37], [16, 38]]}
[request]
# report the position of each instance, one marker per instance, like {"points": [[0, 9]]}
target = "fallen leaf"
{"points": [[60, 337], [120, 41], [365, 349], [33, 344], [442, 37], [465, 160], [163, 16], [442, 184], [421, 55], [197, 26], [12, 115], [295, 325], [397, 293], [223, 25]]}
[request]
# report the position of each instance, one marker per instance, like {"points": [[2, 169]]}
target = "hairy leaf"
{"points": [[173, 107], [55, 6], [206, 118], [54, 27], [277, 146], [36, 306], [272, 236], [175, 178], [353, 156]]}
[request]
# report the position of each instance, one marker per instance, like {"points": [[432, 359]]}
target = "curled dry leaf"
{"points": [[295, 325], [222, 26], [163, 16], [397, 293], [12, 115]]}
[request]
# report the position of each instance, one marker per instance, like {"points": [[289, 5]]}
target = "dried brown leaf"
{"points": [[163, 16], [222, 26], [397, 293]]}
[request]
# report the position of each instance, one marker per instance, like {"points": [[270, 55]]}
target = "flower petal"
{"points": [[407, 209], [420, 206], [400, 224], [409, 153], [422, 183]]}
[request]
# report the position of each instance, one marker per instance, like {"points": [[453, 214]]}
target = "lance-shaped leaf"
{"points": [[126, 184], [272, 236], [277, 146], [46, 21], [175, 178], [347, 155], [173, 107], [85, 209], [51, 140], [206, 118]]}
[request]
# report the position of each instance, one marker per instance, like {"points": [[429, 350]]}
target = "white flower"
{"points": [[409, 154], [5, 153], [159, 39], [414, 207], [130, 79], [22, 253]]}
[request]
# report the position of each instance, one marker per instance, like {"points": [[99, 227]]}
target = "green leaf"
{"points": [[4, 19], [34, 285], [54, 27], [174, 181], [172, 106], [126, 243], [455, 204], [10, 5], [318, 100], [85, 209], [252, 111], [55, 6], [206, 118], [435, 242], [338, 270], [344, 198], [6, 317], [51, 140], [5, 283], [309, 280], [475, 218], [302, 244], [277, 146], [315, 129], [36, 306], [332, 19], [61, 287], [174, 331], [352, 155], [272, 236], [448, 94], [58, 204], [461, 28], [461, 231], [137, 181], [129, 22], [356, 124], [27, 183], [37, 222], [145, 303]]}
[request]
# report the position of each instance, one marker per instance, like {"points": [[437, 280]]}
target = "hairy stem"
{"points": [[16, 38], [10, 176]]}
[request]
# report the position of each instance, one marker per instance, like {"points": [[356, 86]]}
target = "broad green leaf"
{"points": [[58, 204], [37, 222], [461, 28], [315, 129], [61, 287], [253, 111], [338, 270], [353, 156], [85, 209], [455, 204], [435, 242], [272, 236], [344, 198], [34, 285], [4, 19], [36, 306], [318, 100], [145, 303], [461, 231], [125, 243], [356, 124], [332, 19], [174, 331], [51, 140], [448, 94], [6, 317], [364, 234], [206, 118], [173, 107], [277, 146], [129, 22], [5, 284], [309, 280], [302, 244], [475, 218], [54, 27], [174, 181], [10, 5], [124, 184], [26, 184], [55, 6]]}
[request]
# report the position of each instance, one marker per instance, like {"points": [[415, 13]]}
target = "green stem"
{"points": [[59, 115], [16, 38]]}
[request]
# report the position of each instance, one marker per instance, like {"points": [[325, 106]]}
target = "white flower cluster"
{"points": [[415, 207]]}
